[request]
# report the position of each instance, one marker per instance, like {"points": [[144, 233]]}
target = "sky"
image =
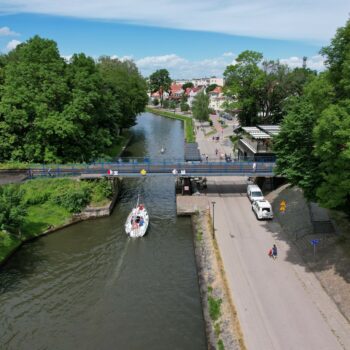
{"points": [[191, 39]]}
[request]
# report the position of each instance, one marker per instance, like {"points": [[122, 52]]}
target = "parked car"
{"points": [[262, 209], [254, 193]]}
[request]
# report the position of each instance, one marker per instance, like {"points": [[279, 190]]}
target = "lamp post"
{"points": [[213, 204]]}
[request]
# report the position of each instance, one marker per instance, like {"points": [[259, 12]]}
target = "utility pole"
{"points": [[213, 203]]}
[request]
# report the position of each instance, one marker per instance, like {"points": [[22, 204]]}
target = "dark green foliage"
{"points": [[155, 102], [313, 148], [166, 104], [259, 89], [12, 210], [160, 81], [74, 199], [127, 87], [172, 105], [338, 61], [221, 345], [211, 87], [294, 148], [184, 107], [187, 85], [200, 107], [54, 111]]}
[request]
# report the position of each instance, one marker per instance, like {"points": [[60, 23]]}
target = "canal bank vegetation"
{"points": [[79, 107], [31, 208], [188, 121], [222, 325]]}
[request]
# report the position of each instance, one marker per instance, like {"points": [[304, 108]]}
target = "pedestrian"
{"points": [[254, 167], [274, 251], [206, 157], [270, 253], [216, 151]]}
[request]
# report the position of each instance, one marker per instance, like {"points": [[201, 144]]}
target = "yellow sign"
{"points": [[143, 172], [283, 206]]}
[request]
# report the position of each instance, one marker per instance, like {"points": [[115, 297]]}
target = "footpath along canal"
{"points": [[89, 286]]}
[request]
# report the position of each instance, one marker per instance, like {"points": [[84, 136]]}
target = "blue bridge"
{"points": [[131, 167]]}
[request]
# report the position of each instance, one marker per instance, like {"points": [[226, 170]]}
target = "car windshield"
{"points": [[266, 209], [257, 194]]}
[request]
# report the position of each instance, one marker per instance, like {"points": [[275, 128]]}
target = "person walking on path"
{"points": [[274, 251]]}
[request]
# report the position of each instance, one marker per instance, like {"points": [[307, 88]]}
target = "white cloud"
{"points": [[6, 31], [284, 19], [182, 68], [122, 58], [12, 45], [315, 62], [228, 54]]}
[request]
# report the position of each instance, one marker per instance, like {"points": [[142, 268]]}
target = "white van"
{"points": [[254, 193], [262, 209]]}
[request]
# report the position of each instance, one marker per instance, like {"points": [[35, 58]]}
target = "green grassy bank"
{"points": [[51, 203], [188, 122]]}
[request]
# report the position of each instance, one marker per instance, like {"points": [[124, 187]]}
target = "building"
{"points": [[216, 99], [255, 142]]}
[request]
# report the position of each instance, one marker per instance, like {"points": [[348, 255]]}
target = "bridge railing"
{"points": [[155, 167]]}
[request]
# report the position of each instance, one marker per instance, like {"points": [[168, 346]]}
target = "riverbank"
{"points": [[188, 122], [46, 214]]}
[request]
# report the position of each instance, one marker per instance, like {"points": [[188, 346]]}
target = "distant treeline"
{"points": [[54, 110]]}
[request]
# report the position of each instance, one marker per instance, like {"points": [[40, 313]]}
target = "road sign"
{"points": [[315, 241]]}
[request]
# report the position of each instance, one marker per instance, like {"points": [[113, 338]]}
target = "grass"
{"points": [[44, 212], [211, 132], [43, 216], [188, 122], [221, 345]]}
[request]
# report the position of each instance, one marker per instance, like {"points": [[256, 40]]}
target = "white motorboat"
{"points": [[162, 150], [137, 221]]}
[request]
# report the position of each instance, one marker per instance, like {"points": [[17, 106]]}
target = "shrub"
{"points": [[214, 308], [12, 209], [73, 199], [155, 102], [184, 107], [166, 104]]}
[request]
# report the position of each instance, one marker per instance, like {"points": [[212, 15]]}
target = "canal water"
{"points": [[89, 286]]}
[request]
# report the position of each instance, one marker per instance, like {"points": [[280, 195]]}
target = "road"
{"points": [[280, 304]]}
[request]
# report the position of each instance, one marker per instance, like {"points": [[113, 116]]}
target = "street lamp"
{"points": [[213, 204]]}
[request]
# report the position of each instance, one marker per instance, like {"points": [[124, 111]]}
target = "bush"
{"points": [[184, 107], [73, 199], [172, 105], [166, 104], [155, 102], [12, 209]]}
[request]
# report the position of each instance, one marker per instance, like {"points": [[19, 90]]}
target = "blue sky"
{"points": [[189, 40]]}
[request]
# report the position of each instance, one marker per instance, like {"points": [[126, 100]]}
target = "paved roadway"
{"points": [[280, 305]]}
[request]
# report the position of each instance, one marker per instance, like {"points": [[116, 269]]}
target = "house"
{"points": [[191, 93], [176, 92], [216, 99], [255, 142]]}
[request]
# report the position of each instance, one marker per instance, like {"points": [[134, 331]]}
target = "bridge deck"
{"points": [[158, 169]]}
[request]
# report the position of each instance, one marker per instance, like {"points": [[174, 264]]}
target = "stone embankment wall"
{"points": [[96, 212], [222, 326]]}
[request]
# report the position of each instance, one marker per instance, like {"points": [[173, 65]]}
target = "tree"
{"points": [[34, 93], [12, 211], [211, 87], [200, 107], [160, 81], [338, 61], [127, 85], [187, 85], [172, 105], [184, 107], [166, 104], [332, 146], [294, 147]]}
